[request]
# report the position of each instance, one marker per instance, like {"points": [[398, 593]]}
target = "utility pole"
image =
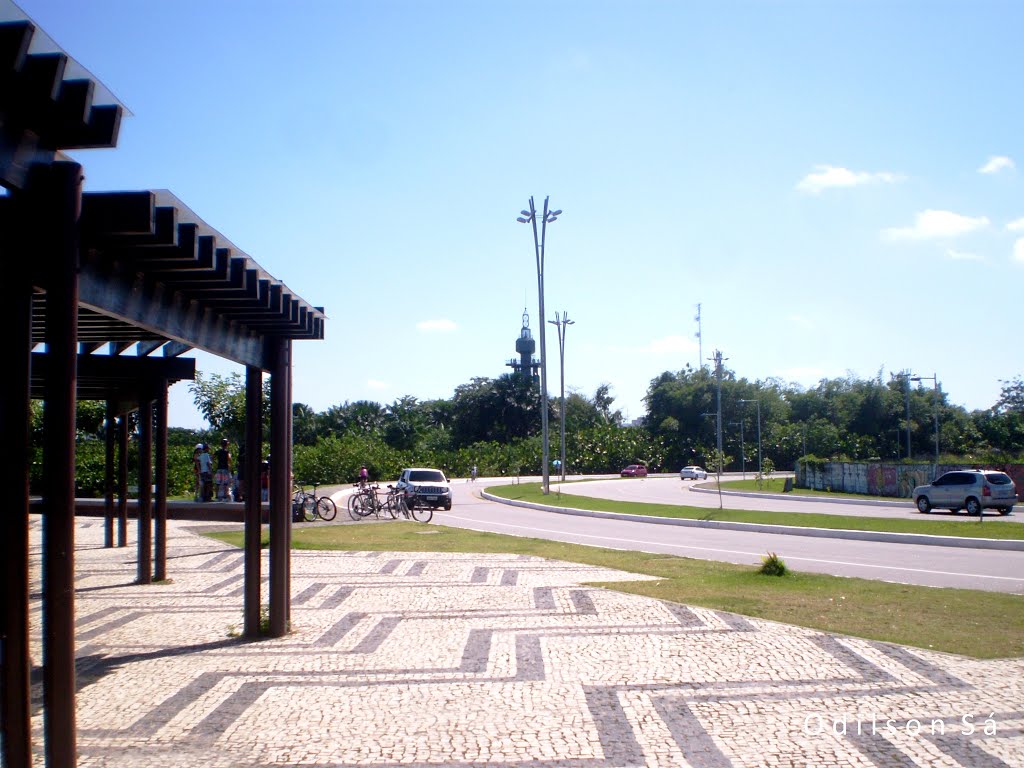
{"points": [[560, 323], [718, 421]]}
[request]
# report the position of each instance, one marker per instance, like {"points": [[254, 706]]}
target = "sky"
{"points": [[838, 185]]}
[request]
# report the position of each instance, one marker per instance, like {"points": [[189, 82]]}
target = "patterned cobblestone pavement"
{"points": [[499, 660]]}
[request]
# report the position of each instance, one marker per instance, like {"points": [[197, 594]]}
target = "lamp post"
{"points": [[758, 402], [560, 323], [906, 381], [547, 217], [935, 381]]}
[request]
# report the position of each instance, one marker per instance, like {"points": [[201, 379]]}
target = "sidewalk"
{"points": [[499, 660]]}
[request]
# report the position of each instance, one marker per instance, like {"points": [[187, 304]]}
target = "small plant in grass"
{"points": [[773, 565]]}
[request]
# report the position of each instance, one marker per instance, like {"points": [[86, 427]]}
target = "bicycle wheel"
{"points": [[421, 513], [309, 508], [352, 511], [363, 505], [326, 508], [392, 504]]}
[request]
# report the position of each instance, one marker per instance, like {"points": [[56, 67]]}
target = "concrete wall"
{"points": [[877, 479]]}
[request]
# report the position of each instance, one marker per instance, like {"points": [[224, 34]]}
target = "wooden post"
{"points": [[122, 481], [251, 489], [15, 416], [61, 207], [160, 534], [280, 490], [110, 436], [144, 511]]}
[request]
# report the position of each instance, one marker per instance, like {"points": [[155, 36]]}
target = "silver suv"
{"points": [[425, 487], [973, 490]]}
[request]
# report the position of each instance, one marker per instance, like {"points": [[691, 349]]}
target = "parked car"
{"points": [[692, 473], [425, 487], [634, 470], [973, 490]]}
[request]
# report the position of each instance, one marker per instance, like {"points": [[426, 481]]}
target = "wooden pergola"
{"points": [[104, 293]]}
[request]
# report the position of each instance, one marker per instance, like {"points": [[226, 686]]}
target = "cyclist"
{"points": [[472, 474], [364, 476]]}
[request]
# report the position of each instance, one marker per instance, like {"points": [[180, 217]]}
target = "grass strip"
{"points": [[983, 625], [776, 485], [967, 527]]}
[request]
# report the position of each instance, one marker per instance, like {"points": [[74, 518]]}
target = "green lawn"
{"points": [[973, 623], [776, 484], [967, 527]]}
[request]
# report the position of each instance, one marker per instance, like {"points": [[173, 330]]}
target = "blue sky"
{"points": [[838, 184]]}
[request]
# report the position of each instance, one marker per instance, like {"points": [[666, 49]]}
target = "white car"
{"points": [[692, 473], [425, 486]]}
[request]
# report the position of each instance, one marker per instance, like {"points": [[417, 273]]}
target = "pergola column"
{"points": [[280, 487], [110, 438], [15, 416], [144, 510], [160, 532], [60, 207], [122, 480], [251, 488]]}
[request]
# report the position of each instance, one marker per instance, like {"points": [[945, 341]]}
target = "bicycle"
{"points": [[314, 506], [367, 501]]}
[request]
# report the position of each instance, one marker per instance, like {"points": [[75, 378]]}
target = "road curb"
{"points": [[1012, 545]]}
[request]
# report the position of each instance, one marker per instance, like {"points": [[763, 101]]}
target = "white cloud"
{"points": [[962, 256], [997, 163], [442, 326], [378, 385], [1017, 225], [1018, 250], [830, 176], [670, 345], [930, 224]]}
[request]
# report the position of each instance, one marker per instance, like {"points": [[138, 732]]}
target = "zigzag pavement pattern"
{"points": [[498, 660]]}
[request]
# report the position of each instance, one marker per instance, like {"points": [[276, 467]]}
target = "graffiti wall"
{"points": [[897, 480]]}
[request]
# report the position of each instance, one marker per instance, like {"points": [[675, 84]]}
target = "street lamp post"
{"points": [[935, 381], [560, 323], [758, 402], [907, 375], [547, 217]]}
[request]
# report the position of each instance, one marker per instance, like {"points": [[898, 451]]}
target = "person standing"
{"points": [[198, 480], [206, 473], [222, 476]]}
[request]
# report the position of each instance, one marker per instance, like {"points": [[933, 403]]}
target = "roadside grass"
{"points": [[983, 625], [966, 527], [776, 484]]}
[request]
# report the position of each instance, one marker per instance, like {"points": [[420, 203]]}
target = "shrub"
{"points": [[773, 565]]}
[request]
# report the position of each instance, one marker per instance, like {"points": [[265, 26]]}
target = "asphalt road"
{"points": [[990, 570], [672, 490]]}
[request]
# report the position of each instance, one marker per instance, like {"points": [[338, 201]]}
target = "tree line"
{"points": [[494, 424]]}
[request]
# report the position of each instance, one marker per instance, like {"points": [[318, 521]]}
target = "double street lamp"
{"points": [[560, 323], [547, 217], [935, 381]]}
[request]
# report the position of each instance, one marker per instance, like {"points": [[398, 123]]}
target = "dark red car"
{"points": [[634, 470]]}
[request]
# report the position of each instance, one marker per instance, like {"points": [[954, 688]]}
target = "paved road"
{"points": [[903, 563], [664, 490]]}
